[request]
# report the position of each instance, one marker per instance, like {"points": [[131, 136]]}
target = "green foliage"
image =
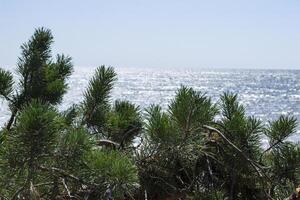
{"points": [[120, 122], [238, 174], [230, 106], [286, 163], [36, 132], [112, 169], [191, 109], [281, 191], [244, 131], [207, 195], [54, 75], [281, 129], [158, 125], [39, 76], [253, 132], [51, 154], [176, 143], [6, 83], [124, 122], [34, 63], [282, 156], [74, 143], [96, 97], [71, 114], [29, 145]]}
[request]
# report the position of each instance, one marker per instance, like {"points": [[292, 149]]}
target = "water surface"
{"points": [[265, 93]]}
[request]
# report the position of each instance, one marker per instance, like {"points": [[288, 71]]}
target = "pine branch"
{"points": [[255, 166], [6, 84], [96, 97]]}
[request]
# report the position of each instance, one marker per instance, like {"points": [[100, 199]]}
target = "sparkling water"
{"points": [[265, 93]]}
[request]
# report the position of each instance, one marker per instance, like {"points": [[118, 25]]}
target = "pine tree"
{"points": [[40, 77], [241, 177], [175, 144], [32, 142]]}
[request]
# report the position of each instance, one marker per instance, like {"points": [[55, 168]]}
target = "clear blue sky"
{"points": [[159, 33]]}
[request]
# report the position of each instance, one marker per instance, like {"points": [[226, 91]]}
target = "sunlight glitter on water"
{"points": [[265, 93]]}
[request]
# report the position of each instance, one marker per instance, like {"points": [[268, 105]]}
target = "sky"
{"points": [[159, 33]]}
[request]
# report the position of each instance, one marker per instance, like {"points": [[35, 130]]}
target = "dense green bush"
{"points": [[99, 149]]}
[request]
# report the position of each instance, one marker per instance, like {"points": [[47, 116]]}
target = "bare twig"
{"points": [[66, 187], [104, 142]]}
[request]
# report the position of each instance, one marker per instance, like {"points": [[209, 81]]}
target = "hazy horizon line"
{"points": [[178, 68]]}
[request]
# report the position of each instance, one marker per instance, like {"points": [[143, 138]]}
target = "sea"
{"points": [[265, 94]]}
